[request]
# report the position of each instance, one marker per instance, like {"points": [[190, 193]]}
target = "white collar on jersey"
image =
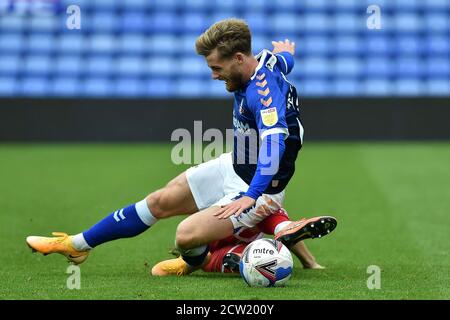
{"points": [[261, 57]]}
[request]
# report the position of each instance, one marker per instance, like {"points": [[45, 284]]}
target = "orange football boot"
{"points": [[61, 243], [176, 267], [303, 229]]}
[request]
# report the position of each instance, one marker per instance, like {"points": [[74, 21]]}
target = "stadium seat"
{"points": [[314, 66], [285, 23], [315, 88], [345, 5], [193, 22], [70, 43], [437, 22], [438, 67], [12, 22], [99, 65], [347, 22], [159, 87], [188, 87], [40, 43], [68, 65], [438, 45], [97, 87], [35, 87], [163, 44], [408, 22], [257, 22], [104, 43], [186, 44], [165, 4], [346, 45], [408, 66], [259, 43], [133, 44], [347, 66], [129, 66], [162, 22], [65, 87], [10, 64], [438, 87], [315, 45], [197, 5], [346, 87], [129, 87], [105, 4], [194, 66], [377, 87], [44, 23], [8, 86], [379, 45], [135, 21], [11, 43], [103, 21], [408, 45], [379, 67], [409, 87], [37, 65], [135, 4], [160, 66], [215, 88]]}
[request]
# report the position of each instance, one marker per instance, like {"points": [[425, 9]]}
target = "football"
{"points": [[266, 263]]}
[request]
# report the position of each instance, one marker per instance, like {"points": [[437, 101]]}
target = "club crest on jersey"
{"points": [[269, 116]]}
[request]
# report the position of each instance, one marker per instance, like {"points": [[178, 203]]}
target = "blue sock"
{"points": [[195, 257], [124, 223]]}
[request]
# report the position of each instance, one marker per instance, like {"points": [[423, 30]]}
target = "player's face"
{"points": [[228, 70]]}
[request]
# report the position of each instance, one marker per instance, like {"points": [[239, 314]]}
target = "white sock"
{"points": [[144, 213], [281, 225], [79, 243]]}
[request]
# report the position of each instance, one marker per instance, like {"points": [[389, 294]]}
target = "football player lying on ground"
{"points": [[223, 195], [224, 255]]}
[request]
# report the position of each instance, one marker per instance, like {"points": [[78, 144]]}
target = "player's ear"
{"points": [[239, 56]]}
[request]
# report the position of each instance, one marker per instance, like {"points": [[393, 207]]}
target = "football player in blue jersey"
{"points": [[235, 191]]}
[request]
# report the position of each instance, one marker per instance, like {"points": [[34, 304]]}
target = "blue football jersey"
{"points": [[267, 105]]}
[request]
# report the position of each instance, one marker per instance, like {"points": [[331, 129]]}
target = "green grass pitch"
{"points": [[391, 200]]}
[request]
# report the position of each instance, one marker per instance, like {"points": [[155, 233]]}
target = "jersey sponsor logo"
{"points": [[241, 127], [261, 76], [267, 102], [269, 116]]}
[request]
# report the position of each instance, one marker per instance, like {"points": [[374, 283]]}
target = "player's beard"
{"points": [[234, 82]]}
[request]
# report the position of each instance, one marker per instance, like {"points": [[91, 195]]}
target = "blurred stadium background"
{"points": [[131, 74], [143, 50]]}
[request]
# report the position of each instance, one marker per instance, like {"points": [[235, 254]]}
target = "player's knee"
{"points": [[185, 237], [158, 204]]}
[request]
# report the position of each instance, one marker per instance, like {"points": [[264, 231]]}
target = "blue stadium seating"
{"points": [[146, 48]]}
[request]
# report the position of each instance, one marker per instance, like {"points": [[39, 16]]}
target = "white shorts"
{"points": [[215, 183]]}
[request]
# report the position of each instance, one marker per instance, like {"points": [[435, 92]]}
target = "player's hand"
{"points": [[236, 207], [283, 46]]}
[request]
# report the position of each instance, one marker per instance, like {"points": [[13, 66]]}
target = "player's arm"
{"points": [[269, 157], [285, 51], [269, 107]]}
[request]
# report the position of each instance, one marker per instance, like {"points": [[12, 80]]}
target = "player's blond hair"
{"points": [[228, 36]]}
